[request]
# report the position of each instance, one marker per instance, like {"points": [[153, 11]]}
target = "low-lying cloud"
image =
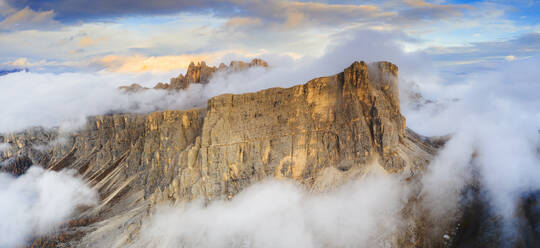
{"points": [[39, 201], [4, 147], [495, 124], [362, 213]]}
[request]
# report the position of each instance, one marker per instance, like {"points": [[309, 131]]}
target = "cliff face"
{"points": [[343, 121], [318, 134]]}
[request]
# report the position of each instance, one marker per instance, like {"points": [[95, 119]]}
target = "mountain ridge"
{"points": [[199, 73], [320, 134]]}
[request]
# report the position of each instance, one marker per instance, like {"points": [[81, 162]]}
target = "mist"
{"points": [[4, 147], [361, 213], [39, 201], [497, 118]]}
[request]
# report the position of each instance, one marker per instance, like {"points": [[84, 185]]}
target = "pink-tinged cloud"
{"points": [[28, 19], [140, 63]]}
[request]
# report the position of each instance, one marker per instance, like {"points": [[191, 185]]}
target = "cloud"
{"points": [[510, 58], [4, 147], [242, 22], [80, 10], [263, 9], [291, 14], [139, 63], [5, 8], [496, 119], [486, 56], [28, 19], [37, 202], [363, 212], [422, 10], [49, 99], [288, 14], [18, 63], [87, 41], [168, 28]]}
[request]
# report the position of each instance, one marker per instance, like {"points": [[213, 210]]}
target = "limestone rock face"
{"points": [[342, 121], [333, 126]]}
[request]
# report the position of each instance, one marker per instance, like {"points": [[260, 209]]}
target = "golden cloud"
{"points": [[140, 63], [242, 21], [27, 18], [87, 41]]}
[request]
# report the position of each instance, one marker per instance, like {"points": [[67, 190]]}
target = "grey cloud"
{"points": [[274, 12], [68, 10], [362, 213], [27, 18], [421, 10], [486, 55]]}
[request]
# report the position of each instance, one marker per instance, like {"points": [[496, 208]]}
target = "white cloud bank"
{"points": [[363, 213], [4, 147], [37, 202], [498, 119]]}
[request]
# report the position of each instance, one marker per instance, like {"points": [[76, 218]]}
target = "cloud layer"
{"points": [[282, 214], [37, 202], [495, 140]]}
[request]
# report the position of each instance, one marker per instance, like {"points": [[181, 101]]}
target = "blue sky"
{"points": [[165, 35]]}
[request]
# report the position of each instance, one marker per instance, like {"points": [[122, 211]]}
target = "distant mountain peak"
{"points": [[8, 71], [200, 73]]}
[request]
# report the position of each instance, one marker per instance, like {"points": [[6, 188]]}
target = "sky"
{"points": [[165, 35]]}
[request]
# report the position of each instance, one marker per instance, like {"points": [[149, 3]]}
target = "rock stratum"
{"points": [[319, 134]]}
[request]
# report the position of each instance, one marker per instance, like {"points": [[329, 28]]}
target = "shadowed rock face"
{"points": [[25, 149], [318, 133]]}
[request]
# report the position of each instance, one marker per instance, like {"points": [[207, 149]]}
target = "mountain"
{"points": [[8, 71], [319, 134], [200, 73]]}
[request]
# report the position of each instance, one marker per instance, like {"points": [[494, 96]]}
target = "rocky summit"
{"points": [[200, 73], [319, 134]]}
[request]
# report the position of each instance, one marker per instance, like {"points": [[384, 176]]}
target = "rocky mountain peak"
{"points": [[199, 73]]}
